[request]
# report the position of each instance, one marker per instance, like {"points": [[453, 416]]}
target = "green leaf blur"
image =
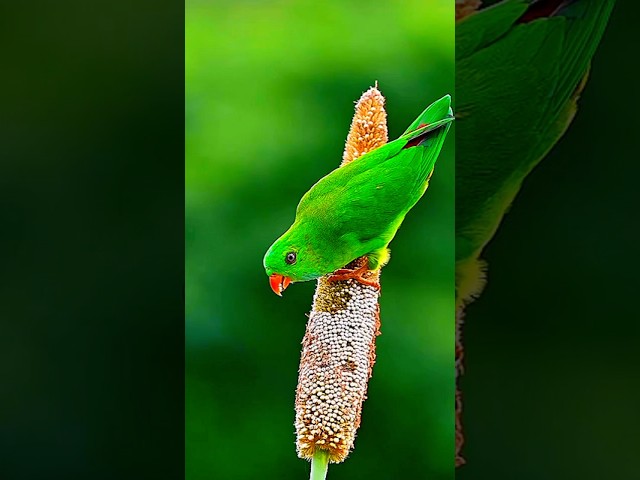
{"points": [[270, 90]]}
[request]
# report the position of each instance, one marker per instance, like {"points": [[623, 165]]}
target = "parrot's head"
{"points": [[290, 259]]}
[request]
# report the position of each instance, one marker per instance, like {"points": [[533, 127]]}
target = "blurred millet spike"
{"points": [[464, 8], [338, 349]]}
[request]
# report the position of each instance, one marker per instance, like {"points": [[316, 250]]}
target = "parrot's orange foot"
{"points": [[357, 274]]}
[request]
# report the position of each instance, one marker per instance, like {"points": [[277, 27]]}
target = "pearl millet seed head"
{"points": [[338, 354]]}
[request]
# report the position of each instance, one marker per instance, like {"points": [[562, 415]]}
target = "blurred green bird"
{"points": [[357, 209], [520, 67]]}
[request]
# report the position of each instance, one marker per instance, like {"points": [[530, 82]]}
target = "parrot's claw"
{"points": [[357, 274]]}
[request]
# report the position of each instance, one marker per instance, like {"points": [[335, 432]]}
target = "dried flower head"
{"points": [[369, 126]]}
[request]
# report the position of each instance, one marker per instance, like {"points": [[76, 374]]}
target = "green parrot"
{"points": [[356, 209], [520, 67]]}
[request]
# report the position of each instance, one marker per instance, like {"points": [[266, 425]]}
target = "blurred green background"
{"points": [[270, 90]]}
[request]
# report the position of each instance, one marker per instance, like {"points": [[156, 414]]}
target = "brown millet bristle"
{"points": [[469, 285], [459, 435], [368, 128], [464, 8]]}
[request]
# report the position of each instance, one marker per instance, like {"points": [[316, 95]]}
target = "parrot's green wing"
{"points": [[438, 111], [359, 207], [517, 84]]}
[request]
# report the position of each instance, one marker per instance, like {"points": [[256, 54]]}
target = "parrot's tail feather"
{"points": [[424, 136], [436, 111]]}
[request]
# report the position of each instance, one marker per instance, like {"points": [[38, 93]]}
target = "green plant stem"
{"points": [[319, 465]]}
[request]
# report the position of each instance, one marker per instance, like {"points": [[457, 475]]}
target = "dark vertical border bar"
{"points": [[92, 218]]}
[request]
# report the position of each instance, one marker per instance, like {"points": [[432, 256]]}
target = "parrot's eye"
{"points": [[291, 258]]}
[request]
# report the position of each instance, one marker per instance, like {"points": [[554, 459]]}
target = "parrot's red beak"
{"points": [[279, 283]]}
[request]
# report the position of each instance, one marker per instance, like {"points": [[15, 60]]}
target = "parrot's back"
{"points": [[357, 209]]}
